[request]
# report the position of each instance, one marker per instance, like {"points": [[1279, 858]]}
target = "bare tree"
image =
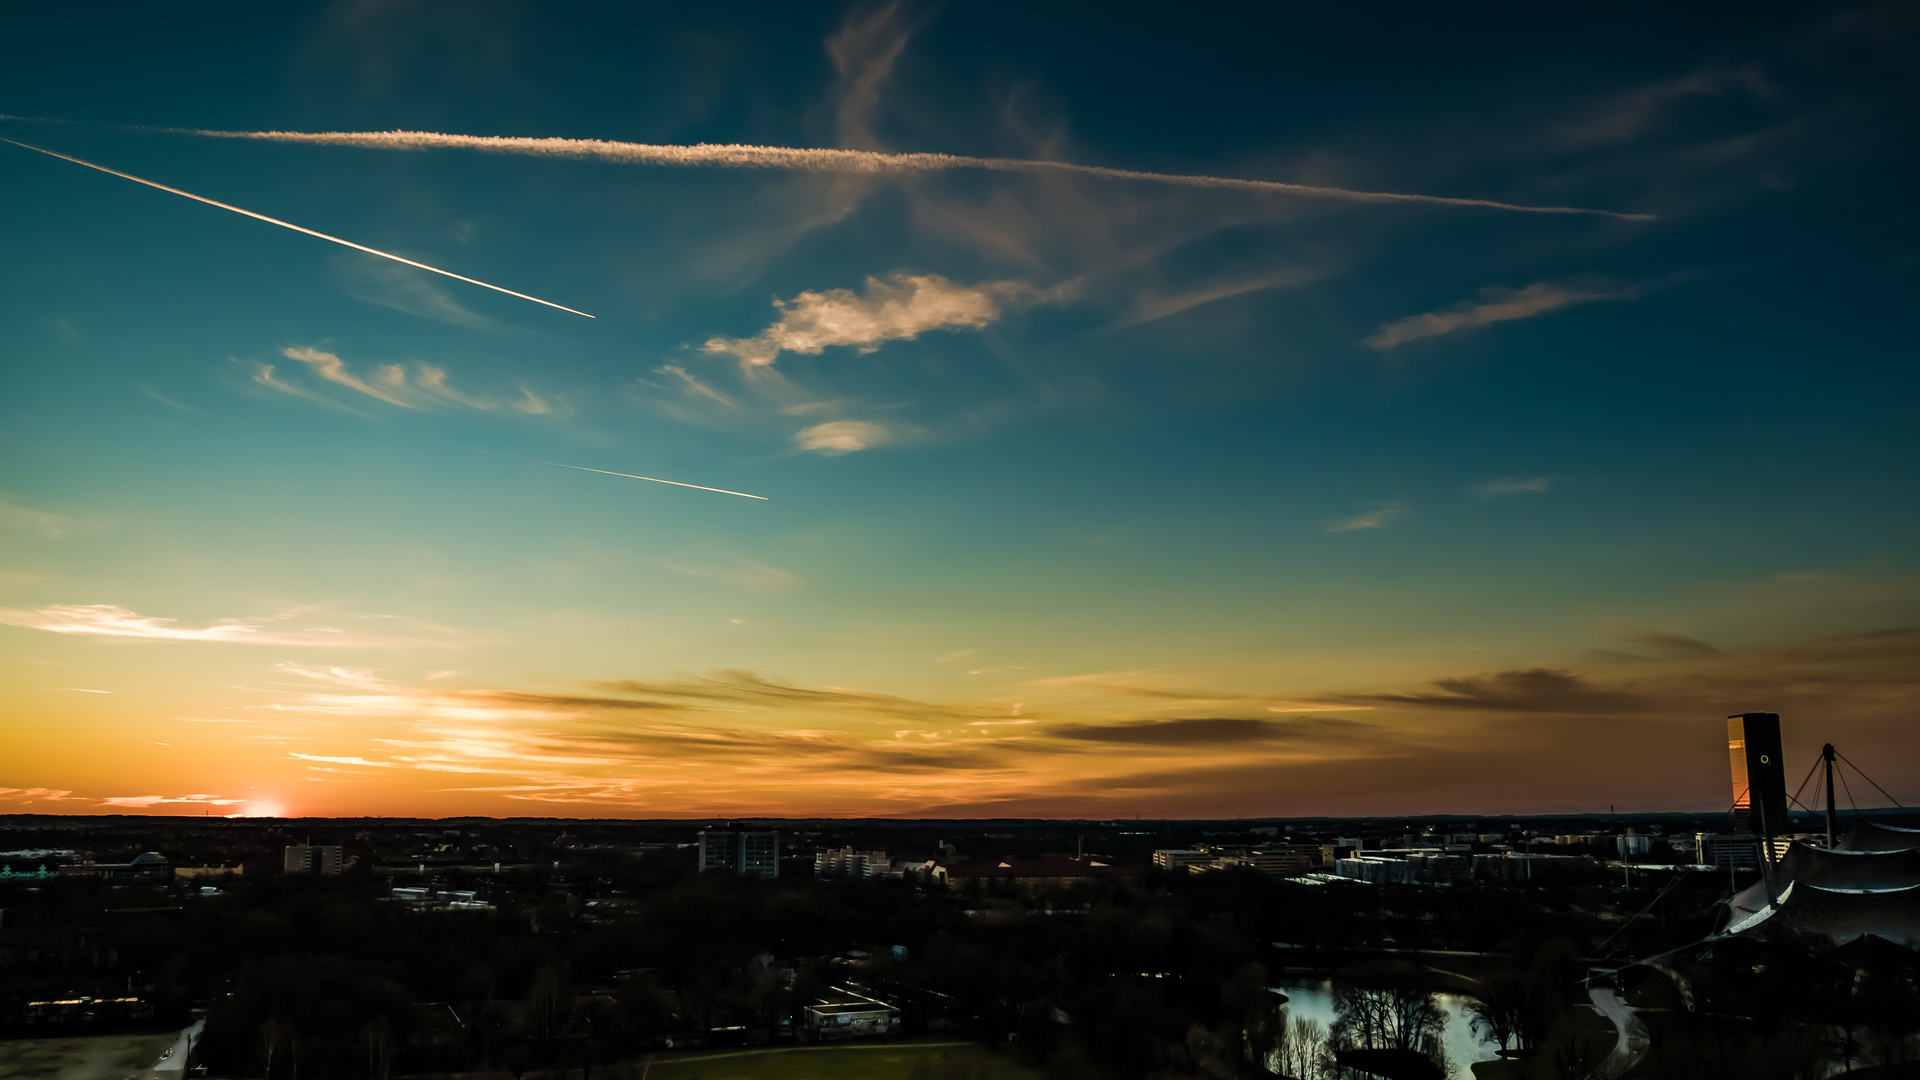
{"points": [[1304, 1053]]}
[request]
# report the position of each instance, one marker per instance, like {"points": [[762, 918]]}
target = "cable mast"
{"points": [[1826, 755]]}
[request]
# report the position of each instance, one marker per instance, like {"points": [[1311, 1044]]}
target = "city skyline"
{"points": [[1303, 418]]}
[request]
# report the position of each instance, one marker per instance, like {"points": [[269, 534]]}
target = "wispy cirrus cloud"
{"points": [[108, 620], [354, 761], [145, 802], [694, 385], [1494, 305], [1152, 304], [388, 285], [26, 519], [1673, 645], [899, 307], [424, 387], [34, 794], [113, 621], [1195, 731], [1504, 486], [745, 574], [264, 376], [1372, 519]]}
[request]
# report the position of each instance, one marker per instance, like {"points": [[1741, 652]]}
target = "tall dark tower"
{"points": [[1759, 779]]}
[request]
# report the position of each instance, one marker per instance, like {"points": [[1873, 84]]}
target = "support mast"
{"points": [[1826, 754]]}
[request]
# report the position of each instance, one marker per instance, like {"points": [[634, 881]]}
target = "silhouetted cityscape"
{"points": [[1751, 943]]}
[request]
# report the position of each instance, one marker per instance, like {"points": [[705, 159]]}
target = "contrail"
{"points": [[630, 476], [290, 225], [739, 156]]}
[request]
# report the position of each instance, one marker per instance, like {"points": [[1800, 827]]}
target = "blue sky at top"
{"points": [[1376, 481]]}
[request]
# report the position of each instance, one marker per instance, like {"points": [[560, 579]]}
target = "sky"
{"points": [[1266, 410]]}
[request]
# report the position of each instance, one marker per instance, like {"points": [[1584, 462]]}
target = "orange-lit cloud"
{"points": [[113, 621], [843, 436], [900, 307], [1628, 729]]}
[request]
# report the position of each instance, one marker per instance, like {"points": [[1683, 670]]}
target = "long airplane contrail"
{"points": [[628, 475], [290, 225], [740, 156]]}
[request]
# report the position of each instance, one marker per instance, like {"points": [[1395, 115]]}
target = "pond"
{"points": [[1314, 1001]]}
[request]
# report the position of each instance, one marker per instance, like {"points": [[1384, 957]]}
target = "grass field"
{"points": [[94, 1057], [925, 1060]]}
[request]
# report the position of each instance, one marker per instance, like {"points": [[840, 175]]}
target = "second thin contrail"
{"points": [[630, 476], [290, 225]]}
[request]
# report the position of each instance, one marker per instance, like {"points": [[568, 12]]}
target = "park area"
{"points": [[848, 1061], [92, 1057]]}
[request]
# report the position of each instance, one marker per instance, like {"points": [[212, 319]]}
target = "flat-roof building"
{"points": [[322, 859], [1180, 858], [752, 852], [850, 863], [841, 1013]]}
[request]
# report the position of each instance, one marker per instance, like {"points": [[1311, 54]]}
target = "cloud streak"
{"points": [[856, 162], [1372, 519], [1494, 305], [1507, 485], [30, 520], [392, 385], [1201, 731], [295, 228], [110, 620]]}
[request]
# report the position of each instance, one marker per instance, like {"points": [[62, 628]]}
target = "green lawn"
{"points": [[94, 1057], [922, 1060]]}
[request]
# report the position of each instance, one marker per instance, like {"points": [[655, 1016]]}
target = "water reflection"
{"points": [[1314, 1001]]}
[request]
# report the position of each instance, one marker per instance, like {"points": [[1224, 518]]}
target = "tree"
{"points": [[1387, 1018], [278, 1041], [1304, 1054]]}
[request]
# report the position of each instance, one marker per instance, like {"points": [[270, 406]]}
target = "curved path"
{"points": [[1633, 1039]]}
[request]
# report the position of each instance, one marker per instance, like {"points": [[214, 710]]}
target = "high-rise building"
{"points": [[322, 859], [753, 852], [1759, 776]]}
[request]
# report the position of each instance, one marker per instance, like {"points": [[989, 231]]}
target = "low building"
{"points": [[150, 867], [323, 859], [841, 1013], [752, 852], [1737, 852], [1278, 860], [1029, 875], [1633, 844], [1180, 858], [847, 862], [1521, 867], [208, 871], [437, 899], [1406, 868]]}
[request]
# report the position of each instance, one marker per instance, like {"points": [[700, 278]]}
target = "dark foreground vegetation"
{"points": [[604, 955]]}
